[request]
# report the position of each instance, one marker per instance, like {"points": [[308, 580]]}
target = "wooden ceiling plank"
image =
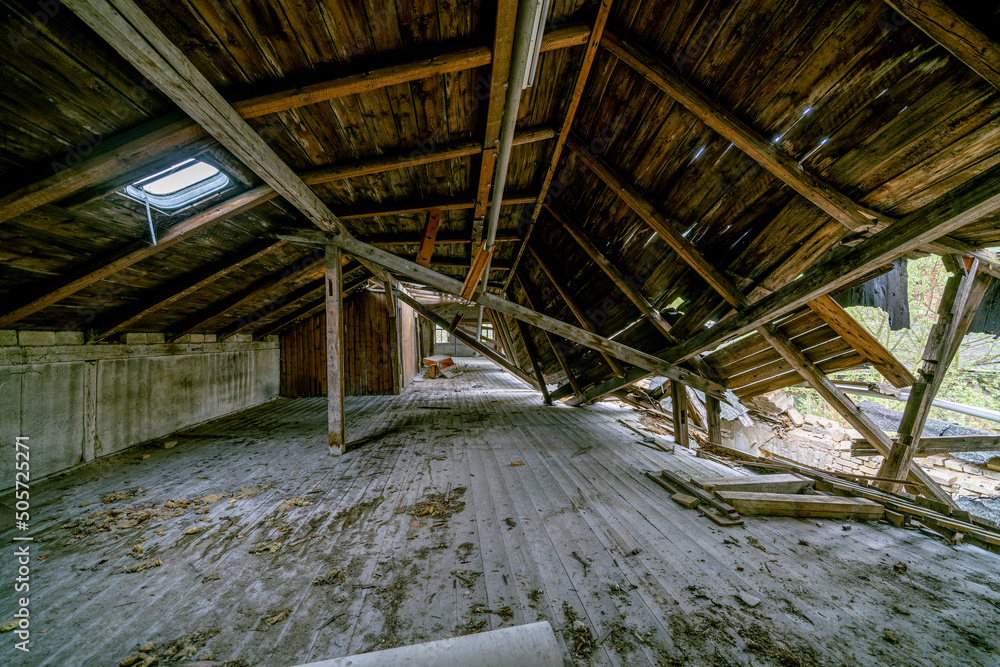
{"points": [[308, 310], [852, 215], [962, 39], [589, 54], [429, 237], [186, 286], [574, 306], [965, 204], [139, 251]]}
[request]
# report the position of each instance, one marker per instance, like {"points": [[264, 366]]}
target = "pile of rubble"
{"points": [[780, 430]]}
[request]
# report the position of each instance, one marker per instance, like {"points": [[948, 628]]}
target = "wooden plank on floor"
{"points": [[782, 483], [784, 504]]}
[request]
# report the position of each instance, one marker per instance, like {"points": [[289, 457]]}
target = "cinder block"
{"points": [[183, 340], [133, 338], [69, 338], [944, 479], [8, 338], [155, 338], [240, 338], [197, 338], [211, 338], [35, 338]]}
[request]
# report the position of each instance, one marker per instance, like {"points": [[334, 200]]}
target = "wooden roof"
{"points": [[758, 138]]}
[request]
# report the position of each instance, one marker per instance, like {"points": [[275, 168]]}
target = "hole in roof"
{"points": [[178, 187]]}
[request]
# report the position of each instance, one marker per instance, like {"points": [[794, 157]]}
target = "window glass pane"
{"points": [[440, 335], [179, 180]]}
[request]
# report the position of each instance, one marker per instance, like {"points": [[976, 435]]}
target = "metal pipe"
{"points": [[904, 394], [523, 34]]}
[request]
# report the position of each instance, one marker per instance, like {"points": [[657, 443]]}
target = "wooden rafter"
{"points": [[669, 230], [574, 307], [428, 238], [589, 54], [858, 338], [557, 350], [962, 39], [532, 351], [282, 304], [201, 319], [748, 140], [503, 46], [613, 272], [142, 145], [184, 287]]}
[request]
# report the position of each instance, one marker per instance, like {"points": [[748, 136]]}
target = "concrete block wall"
{"points": [[78, 402]]}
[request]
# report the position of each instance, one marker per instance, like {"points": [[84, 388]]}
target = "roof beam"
{"points": [[709, 111], [532, 351], [962, 39], [187, 285], [589, 54], [424, 276], [140, 250], [378, 210], [503, 48], [139, 146]]}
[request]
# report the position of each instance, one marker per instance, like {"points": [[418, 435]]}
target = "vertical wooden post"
{"points": [[678, 397], [714, 419], [395, 344], [334, 352]]}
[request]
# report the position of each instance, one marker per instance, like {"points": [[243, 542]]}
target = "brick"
{"points": [[953, 464], [991, 474], [155, 338], [183, 340], [241, 338], [795, 416], [971, 469], [8, 337], [133, 338], [33, 338]]}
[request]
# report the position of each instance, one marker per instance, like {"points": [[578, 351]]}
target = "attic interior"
{"points": [[233, 232]]}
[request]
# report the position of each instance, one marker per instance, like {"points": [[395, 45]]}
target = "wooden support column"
{"points": [[842, 404], [529, 345], [394, 341], [961, 298], [679, 405], [714, 419], [574, 307], [334, 352]]}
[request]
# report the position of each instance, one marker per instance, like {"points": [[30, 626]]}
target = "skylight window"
{"points": [[182, 185]]}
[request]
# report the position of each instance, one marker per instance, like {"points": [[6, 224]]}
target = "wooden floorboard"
{"points": [[575, 532]]}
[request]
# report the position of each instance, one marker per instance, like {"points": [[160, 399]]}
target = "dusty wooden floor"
{"points": [[342, 566]]}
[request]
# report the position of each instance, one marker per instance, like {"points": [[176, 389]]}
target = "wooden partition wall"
{"points": [[368, 334]]}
